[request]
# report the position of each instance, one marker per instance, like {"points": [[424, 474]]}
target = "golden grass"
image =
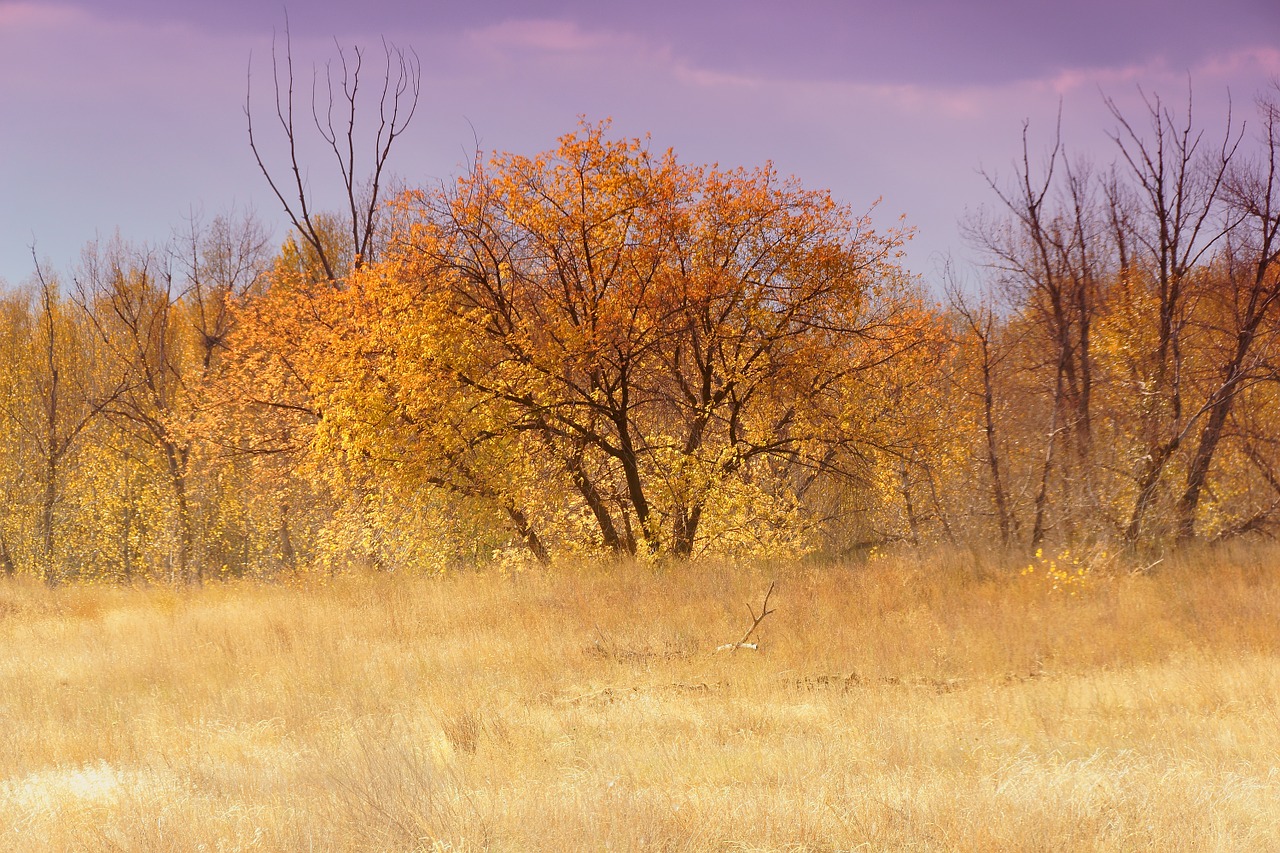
{"points": [[913, 703]]}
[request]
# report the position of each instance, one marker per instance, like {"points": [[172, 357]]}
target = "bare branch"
{"points": [[756, 620]]}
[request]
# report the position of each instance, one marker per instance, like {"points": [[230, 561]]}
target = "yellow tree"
{"points": [[16, 452], [58, 392], [259, 409], [130, 298]]}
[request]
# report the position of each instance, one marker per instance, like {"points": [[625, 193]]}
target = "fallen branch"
{"points": [[1145, 570], [756, 620]]}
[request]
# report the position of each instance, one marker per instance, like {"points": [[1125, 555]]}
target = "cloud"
{"points": [[1251, 64], [1256, 61], [16, 17], [548, 36], [556, 39]]}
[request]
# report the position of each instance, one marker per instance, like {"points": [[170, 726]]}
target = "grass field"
{"points": [[908, 703]]}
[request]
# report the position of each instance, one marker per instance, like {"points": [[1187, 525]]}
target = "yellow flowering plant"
{"points": [[1066, 571]]}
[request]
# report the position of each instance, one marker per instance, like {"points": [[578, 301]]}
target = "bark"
{"points": [[288, 556], [528, 535], [913, 523], [1219, 410], [596, 503], [6, 558], [685, 530], [993, 455], [1040, 527], [175, 459], [1148, 483]]}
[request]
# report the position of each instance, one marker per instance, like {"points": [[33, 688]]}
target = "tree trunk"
{"points": [[48, 570], [1198, 473], [288, 557], [1040, 527], [913, 523], [685, 531], [530, 537], [635, 491], [1148, 482], [595, 502], [174, 458], [993, 455], [6, 558]]}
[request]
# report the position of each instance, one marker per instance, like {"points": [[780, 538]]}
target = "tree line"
{"points": [[603, 350]]}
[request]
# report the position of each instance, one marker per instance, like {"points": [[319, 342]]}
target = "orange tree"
{"points": [[618, 350]]}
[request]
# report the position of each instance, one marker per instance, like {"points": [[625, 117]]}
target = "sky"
{"points": [[128, 117]]}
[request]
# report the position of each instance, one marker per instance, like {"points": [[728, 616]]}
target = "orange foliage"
{"points": [[611, 348]]}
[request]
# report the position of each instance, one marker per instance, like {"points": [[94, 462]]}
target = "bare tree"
{"points": [[1045, 257], [981, 325], [1175, 210], [221, 262], [1248, 291], [336, 108]]}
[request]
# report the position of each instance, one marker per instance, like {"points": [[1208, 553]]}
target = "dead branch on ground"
{"points": [[756, 620]]}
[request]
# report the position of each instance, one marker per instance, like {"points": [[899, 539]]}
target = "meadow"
{"points": [[935, 701]]}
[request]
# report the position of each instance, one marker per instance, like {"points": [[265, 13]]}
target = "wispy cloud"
{"points": [[16, 17], [1263, 61], [1216, 69], [555, 38]]}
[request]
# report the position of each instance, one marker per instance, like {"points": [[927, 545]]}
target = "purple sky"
{"points": [[129, 115]]}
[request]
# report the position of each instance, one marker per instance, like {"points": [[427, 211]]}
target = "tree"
{"points": [[221, 264], [1243, 303], [1154, 292], [130, 299], [276, 413], [1047, 260], [161, 319], [660, 335], [16, 452], [67, 395], [1173, 206], [342, 131], [981, 337]]}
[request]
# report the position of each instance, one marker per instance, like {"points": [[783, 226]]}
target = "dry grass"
{"points": [[906, 704]]}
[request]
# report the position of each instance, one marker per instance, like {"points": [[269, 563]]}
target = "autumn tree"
{"points": [[16, 452], [56, 395], [218, 264], [261, 409], [1173, 206], [662, 342], [1047, 256], [130, 301], [264, 382]]}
